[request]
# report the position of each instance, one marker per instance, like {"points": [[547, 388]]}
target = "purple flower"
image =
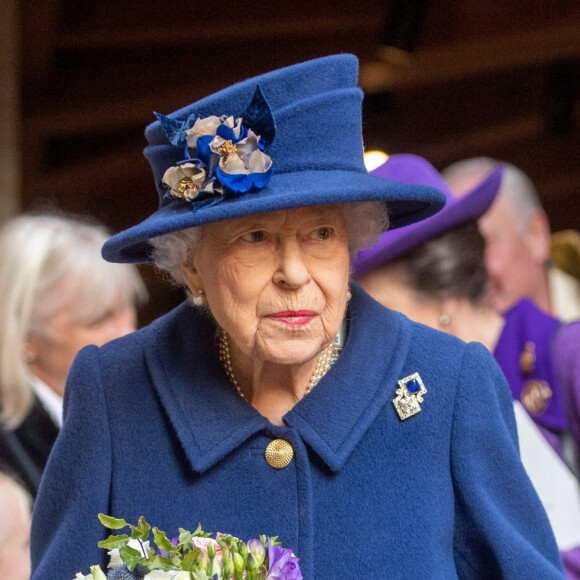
{"points": [[283, 564]]}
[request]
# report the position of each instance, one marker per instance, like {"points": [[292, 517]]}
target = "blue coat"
{"points": [[153, 427]]}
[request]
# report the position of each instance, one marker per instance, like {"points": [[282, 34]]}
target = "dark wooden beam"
{"points": [[395, 69]]}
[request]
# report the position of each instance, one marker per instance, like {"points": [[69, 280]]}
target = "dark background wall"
{"points": [[446, 79]]}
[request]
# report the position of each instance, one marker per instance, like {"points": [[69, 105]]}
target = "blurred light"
{"points": [[374, 159]]}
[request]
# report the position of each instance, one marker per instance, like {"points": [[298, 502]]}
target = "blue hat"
{"points": [[285, 139], [413, 169]]}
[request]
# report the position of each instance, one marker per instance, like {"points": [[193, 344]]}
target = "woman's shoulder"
{"points": [[417, 342]]}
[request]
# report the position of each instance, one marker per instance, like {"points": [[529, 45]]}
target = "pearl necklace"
{"points": [[325, 360]]}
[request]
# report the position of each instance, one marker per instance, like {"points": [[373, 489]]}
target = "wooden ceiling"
{"points": [[444, 79]]}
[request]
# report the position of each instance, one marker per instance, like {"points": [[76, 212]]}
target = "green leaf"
{"points": [[163, 542], [130, 556], [111, 522], [185, 538], [113, 542], [189, 561], [199, 532], [159, 563], [141, 531]]}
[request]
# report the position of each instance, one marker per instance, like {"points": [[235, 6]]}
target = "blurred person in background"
{"points": [[57, 295], [434, 272], [566, 351], [14, 530], [518, 242]]}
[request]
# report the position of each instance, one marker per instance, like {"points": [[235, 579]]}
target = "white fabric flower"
{"points": [[184, 181], [246, 157], [205, 126], [257, 162]]}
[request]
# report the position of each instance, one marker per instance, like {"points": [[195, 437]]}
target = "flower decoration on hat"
{"points": [[223, 155]]}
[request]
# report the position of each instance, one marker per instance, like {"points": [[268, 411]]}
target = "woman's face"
{"points": [[276, 282], [54, 351]]}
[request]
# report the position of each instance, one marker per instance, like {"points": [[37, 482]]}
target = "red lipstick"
{"points": [[294, 318]]}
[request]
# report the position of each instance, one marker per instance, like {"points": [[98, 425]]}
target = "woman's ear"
{"points": [[30, 350], [538, 236], [192, 278]]}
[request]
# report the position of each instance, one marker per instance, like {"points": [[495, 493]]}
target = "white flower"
{"points": [[115, 560], [171, 575], [184, 181], [96, 574]]}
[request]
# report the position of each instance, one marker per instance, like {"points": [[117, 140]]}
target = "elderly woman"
{"points": [[434, 272], [57, 295], [285, 403]]}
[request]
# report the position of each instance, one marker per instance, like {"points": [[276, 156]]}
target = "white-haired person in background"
{"points": [[14, 530], [518, 242], [57, 295]]}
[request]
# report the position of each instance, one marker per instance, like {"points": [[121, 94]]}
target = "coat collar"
{"points": [[211, 420]]}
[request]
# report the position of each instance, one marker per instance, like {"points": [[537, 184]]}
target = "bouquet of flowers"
{"points": [[190, 556]]}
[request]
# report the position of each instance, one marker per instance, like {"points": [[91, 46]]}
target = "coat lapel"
{"points": [[210, 419]]}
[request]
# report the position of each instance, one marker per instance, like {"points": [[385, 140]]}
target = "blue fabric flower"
{"points": [[222, 155]]}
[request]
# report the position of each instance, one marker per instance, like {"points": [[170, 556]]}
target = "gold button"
{"points": [[279, 453], [536, 395]]}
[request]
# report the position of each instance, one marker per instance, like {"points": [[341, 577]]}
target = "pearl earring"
{"points": [[444, 320], [28, 357], [199, 299], [348, 295]]}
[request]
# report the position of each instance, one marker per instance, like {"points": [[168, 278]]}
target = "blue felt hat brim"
{"points": [[393, 244], [405, 204]]}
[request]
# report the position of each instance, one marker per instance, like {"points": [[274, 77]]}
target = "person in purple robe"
{"points": [[566, 354], [434, 272]]}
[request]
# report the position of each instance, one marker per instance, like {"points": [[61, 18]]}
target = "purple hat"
{"points": [[285, 139], [413, 169]]}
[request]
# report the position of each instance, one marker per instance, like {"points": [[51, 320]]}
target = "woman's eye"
{"points": [[256, 236], [322, 233]]}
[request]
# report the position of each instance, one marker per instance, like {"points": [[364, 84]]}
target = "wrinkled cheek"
{"points": [[234, 309]]}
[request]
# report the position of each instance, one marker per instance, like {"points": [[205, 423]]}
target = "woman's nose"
{"points": [[291, 268]]}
